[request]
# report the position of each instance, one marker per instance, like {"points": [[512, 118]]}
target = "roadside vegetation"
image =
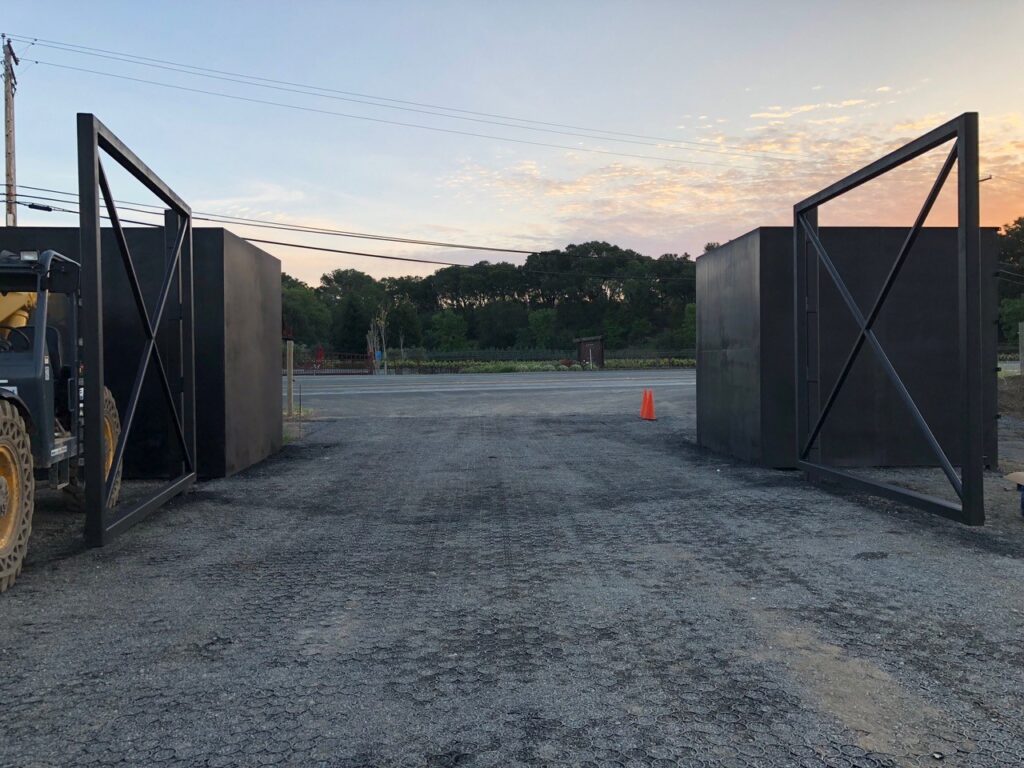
{"points": [[501, 317], [590, 289]]}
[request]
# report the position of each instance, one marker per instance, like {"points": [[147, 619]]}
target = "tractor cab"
{"points": [[39, 354]]}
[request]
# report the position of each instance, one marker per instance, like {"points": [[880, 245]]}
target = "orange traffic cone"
{"points": [[647, 406]]}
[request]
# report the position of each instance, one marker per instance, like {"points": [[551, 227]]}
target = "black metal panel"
{"points": [[237, 346], [177, 385], [963, 133], [778, 399], [729, 372], [918, 326], [239, 367]]}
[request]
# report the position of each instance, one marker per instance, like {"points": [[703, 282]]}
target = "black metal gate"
{"points": [[103, 522], [968, 484]]}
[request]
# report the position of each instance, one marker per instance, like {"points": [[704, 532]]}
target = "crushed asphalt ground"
{"points": [[515, 570]]}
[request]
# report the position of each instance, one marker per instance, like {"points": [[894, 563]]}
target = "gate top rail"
{"points": [[919, 146]]}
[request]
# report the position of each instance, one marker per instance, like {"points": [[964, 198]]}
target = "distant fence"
{"points": [[330, 365], [535, 355], [418, 360]]}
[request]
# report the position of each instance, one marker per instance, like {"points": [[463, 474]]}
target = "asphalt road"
{"points": [[517, 571], [471, 394]]}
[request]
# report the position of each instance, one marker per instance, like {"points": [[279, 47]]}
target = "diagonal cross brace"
{"points": [[890, 370], [883, 294], [150, 327]]}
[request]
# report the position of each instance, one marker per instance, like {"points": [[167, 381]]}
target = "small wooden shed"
{"points": [[590, 351]]}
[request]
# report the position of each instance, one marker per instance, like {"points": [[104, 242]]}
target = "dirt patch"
{"points": [[885, 715]]}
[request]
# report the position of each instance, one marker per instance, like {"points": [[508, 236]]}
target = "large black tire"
{"points": [[17, 493], [111, 432]]}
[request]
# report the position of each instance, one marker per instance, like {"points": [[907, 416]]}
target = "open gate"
{"points": [[172, 310], [810, 255]]}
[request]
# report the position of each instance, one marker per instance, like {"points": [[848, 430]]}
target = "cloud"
{"points": [[778, 113], [883, 89], [258, 196], [674, 208]]}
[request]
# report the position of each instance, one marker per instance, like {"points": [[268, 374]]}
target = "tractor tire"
{"points": [[17, 493], [111, 432]]}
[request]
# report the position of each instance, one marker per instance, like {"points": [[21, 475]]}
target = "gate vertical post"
{"points": [[188, 344], [802, 315], [289, 346], [971, 355], [91, 297]]}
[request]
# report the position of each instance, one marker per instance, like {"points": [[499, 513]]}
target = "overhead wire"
{"points": [[380, 120], [430, 262], [267, 224], [412, 106]]}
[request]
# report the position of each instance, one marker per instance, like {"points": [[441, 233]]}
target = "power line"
{"points": [[57, 209], [521, 267], [411, 106], [662, 143], [431, 262], [385, 121], [266, 224]]}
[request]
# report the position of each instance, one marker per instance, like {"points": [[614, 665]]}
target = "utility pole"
{"points": [[10, 85]]}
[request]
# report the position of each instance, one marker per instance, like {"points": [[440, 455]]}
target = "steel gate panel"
{"points": [[810, 257], [102, 522]]}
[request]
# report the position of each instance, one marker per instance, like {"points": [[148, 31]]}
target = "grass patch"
{"points": [[535, 366]]}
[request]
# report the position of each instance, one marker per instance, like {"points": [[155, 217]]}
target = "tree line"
{"points": [[555, 296]]}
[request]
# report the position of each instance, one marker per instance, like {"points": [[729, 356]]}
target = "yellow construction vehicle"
{"points": [[41, 394]]}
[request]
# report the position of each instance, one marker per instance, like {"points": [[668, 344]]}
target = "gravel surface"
{"points": [[504, 577]]}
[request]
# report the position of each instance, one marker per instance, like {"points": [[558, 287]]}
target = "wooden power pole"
{"points": [[10, 85]]}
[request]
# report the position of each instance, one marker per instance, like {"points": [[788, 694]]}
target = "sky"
{"points": [[703, 120]]}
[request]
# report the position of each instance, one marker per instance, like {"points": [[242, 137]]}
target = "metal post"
{"points": [[805, 318], [10, 85], [1020, 351], [290, 369], [972, 359], [91, 328], [186, 277]]}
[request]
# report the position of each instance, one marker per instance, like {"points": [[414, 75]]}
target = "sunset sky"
{"points": [[725, 114]]}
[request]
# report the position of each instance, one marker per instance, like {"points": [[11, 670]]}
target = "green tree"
{"points": [[448, 331], [350, 322], [498, 323], [541, 323], [302, 312], [1011, 258], [1011, 314], [689, 327], [404, 326], [581, 290], [342, 283]]}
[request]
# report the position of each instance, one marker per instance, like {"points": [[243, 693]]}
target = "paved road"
{"points": [[526, 577], [470, 394]]}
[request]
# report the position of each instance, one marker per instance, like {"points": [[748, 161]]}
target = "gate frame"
{"points": [[963, 132], [103, 523]]}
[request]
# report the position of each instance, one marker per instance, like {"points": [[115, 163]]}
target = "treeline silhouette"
{"points": [[555, 296]]}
